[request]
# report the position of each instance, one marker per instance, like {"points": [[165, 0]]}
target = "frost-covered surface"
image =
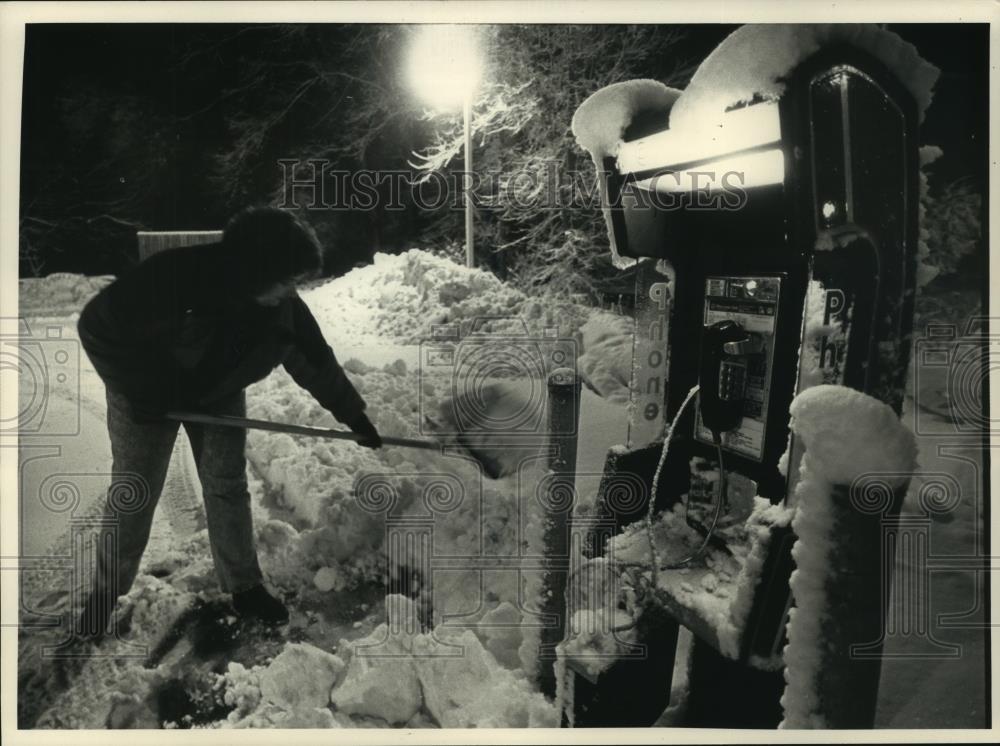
{"points": [[740, 71], [600, 123], [712, 596], [846, 434], [853, 434]]}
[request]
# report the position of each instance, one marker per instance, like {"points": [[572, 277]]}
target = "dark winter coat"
{"points": [[178, 332]]}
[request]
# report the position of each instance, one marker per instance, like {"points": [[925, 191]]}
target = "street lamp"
{"points": [[444, 70]]}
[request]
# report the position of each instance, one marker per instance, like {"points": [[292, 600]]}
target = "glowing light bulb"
{"points": [[444, 64]]}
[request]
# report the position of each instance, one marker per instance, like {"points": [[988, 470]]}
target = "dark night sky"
{"points": [[140, 57], [141, 62]]}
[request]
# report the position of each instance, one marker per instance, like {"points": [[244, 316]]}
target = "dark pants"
{"points": [[141, 453]]}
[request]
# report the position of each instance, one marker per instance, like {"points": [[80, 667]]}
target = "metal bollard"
{"points": [[560, 491]]}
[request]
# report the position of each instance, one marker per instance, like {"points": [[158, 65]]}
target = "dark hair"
{"points": [[268, 245]]}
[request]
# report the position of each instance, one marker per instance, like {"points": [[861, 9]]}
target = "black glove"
{"points": [[363, 426]]}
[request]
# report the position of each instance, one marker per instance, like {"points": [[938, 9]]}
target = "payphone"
{"points": [[791, 232]]}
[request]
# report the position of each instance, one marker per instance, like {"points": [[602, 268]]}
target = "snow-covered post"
{"points": [[854, 475], [557, 496]]}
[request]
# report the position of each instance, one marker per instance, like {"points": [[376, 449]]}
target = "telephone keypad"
{"points": [[732, 381]]}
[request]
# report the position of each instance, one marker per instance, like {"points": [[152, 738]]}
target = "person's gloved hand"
{"points": [[363, 426]]}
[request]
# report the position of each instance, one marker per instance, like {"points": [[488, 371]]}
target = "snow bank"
{"points": [[600, 123], [754, 62], [846, 434], [401, 298]]}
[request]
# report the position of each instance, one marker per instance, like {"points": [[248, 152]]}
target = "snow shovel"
{"points": [[280, 427], [491, 466]]}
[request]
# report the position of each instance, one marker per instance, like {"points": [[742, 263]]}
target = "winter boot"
{"points": [[257, 603]]}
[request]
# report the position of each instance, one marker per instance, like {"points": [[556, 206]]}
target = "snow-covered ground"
{"points": [[323, 539], [322, 542]]}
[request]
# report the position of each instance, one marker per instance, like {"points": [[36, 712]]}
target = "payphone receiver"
{"points": [[723, 375]]}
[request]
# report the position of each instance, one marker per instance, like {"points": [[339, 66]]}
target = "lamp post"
{"points": [[444, 67]]}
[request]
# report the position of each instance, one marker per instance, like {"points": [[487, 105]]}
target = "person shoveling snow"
{"points": [[189, 329]]}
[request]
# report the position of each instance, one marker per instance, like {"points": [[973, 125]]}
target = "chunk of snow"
{"points": [[473, 690], [301, 676], [385, 688], [328, 579], [754, 62], [500, 630]]}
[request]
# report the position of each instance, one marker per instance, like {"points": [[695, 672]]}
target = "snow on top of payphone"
{"points": [[600, 123], [754, 62], [601, 120], [848, 433]]}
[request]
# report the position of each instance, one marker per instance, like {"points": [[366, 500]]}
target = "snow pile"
{"points": [[402, 297], [59, 294], [321, 532], [599, 125], [754, 62], [846, 434], [395, 676]]}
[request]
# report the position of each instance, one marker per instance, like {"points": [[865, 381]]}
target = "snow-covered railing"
{"points": [[152, 242]]}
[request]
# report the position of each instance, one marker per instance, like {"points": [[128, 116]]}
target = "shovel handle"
{"points": [[280, 427]]}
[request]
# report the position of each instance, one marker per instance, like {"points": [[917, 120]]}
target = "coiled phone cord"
{"points": [[717, 438], [654, 562]]}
